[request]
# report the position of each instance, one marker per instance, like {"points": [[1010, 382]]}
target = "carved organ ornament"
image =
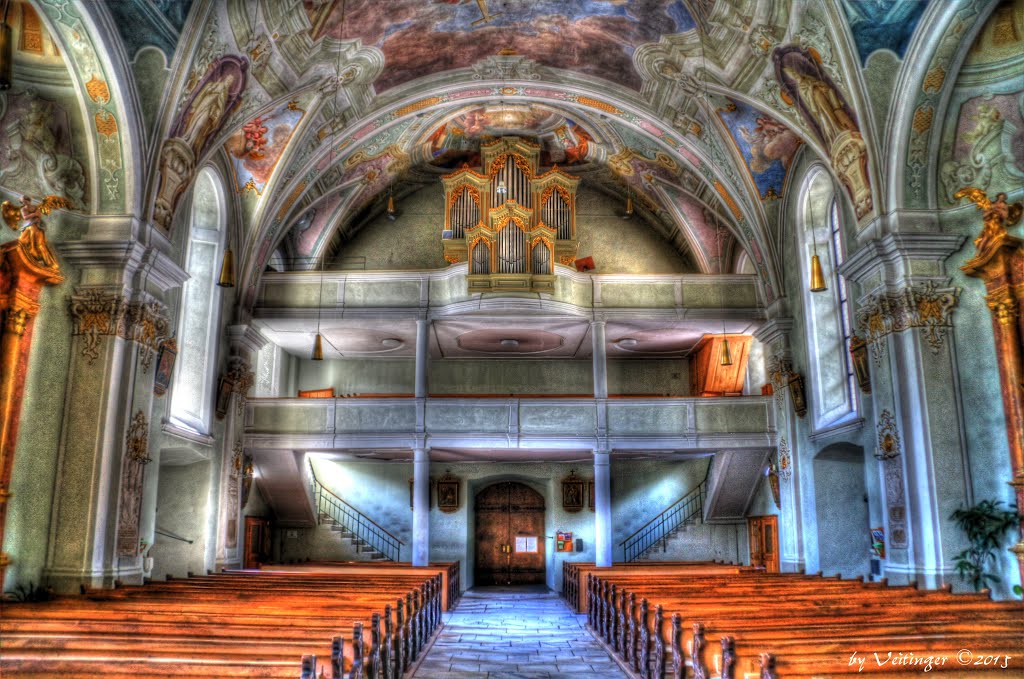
{"points": [[508, 221]]}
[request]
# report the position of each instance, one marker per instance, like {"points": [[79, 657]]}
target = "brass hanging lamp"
{"points": [[318, 343], [227, 269], [817, 275], [392, 213], [726, 357], [629, 204]]}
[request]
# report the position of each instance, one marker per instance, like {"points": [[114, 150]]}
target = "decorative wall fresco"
{"points": [[807, 86], [883, 24], [767, 146], [256, 148], [596, 37], [308, 231], [457, 140], [704, 234], [197, 124], [37, 151], [1001, 37], [988, 149], [145, 22]]}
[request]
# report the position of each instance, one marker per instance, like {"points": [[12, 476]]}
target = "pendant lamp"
{"points": [[227, 269]]}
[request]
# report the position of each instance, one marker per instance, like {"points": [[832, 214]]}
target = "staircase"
{"points": [[369, 540], [364, 550], [680, 515]]}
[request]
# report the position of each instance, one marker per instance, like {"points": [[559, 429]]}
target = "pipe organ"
{"points": [[511, 223]]}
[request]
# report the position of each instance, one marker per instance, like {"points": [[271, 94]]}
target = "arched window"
{"points": [[827, 313], [199, 314]]}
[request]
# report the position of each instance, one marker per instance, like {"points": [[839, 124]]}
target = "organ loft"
{"points": [[616, 339], [510, 222]]}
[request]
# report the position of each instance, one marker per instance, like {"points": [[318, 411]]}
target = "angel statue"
{"points": [[997, 214], [33, 235]]}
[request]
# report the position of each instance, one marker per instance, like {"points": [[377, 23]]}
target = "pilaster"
{"points": [[905, 315], [103, 461], [775, 334], [245, 341]]}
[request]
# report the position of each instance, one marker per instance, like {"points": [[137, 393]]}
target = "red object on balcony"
{"points": [[585, 264]]}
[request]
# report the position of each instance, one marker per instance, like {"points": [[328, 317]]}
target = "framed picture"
{"points": [[796, 393], [590, 501], [224, 389], [859, 357], [448, 494], [572, 493], [165, 366]]}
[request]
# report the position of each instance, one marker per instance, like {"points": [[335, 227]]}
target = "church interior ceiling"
{"points": [[318, 110]]}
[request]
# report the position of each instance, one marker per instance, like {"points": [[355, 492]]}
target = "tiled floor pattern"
{"points": [[513, 632]]}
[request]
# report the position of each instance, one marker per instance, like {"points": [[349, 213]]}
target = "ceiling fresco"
{"points": [[595, 37], [767, 146], [256, 148], [457, 140], [711, 97], [883, 24]]}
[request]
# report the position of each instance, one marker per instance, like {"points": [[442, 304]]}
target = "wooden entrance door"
{"points": [[509, 535], [764, 542], [257, 541]]}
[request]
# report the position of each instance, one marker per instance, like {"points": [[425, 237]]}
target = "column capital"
{"points": [[901, 259], [245, 338], [775, 330]]}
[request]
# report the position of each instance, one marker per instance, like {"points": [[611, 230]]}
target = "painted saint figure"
{"points": [[206, 112], [824, 104]]}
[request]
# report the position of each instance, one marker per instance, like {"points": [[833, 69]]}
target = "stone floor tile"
{"points": [[515, 633]]}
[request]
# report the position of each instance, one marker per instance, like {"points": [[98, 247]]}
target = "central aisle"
{"points": [[512, 632]]}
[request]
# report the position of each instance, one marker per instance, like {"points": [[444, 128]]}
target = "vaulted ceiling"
{"points": [[697, 108]]}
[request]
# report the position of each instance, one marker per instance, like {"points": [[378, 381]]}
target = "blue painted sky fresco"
{"points": [[767, 146], [883, 24]]}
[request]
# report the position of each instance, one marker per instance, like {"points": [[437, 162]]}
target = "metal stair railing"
{"points": [[658, 529], [351, 519]]}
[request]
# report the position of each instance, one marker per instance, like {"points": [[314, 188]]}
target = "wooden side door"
{"points": [[754, 531], [257, 541], [764, 542], [509, 535]]}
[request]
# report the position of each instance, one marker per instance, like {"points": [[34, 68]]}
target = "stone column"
{"points": [[244, 341], [905, 316], [775, 335], [600, 359], [422, 356], [602, 508], [421, 507]]}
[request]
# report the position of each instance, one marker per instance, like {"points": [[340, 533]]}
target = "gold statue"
{"points": [[997, 214], [33, 235]]}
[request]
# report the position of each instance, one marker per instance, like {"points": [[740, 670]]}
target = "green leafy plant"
{"points": [[30, 593], [986, 525]]}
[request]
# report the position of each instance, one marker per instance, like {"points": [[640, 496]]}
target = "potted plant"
{"points": [[986, 525]]}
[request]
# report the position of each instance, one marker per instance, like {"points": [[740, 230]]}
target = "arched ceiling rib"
{"points": [[705, 101]]}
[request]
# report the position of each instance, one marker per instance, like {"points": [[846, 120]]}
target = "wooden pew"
{"points": [[813, 626], [232, 624]]}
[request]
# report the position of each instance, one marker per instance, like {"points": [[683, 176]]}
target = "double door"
{"points": [[257, 541], [509, 536]]}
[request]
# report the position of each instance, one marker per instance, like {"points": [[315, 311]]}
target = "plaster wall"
{"points": [[183, 508], [667, 377], [844, 543], [413, 241], [43, 406], [640, 490]]}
